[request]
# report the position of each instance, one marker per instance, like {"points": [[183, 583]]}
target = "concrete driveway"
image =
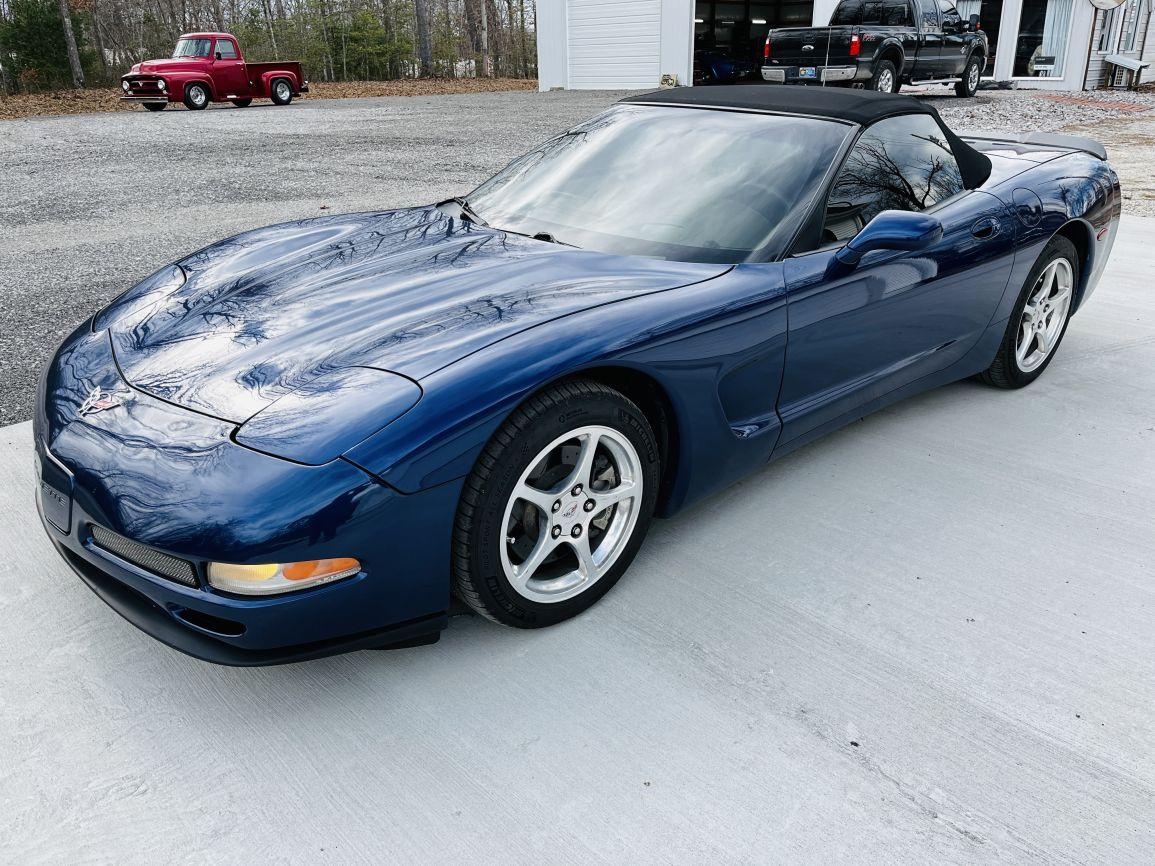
{"points": [[927, 638]]}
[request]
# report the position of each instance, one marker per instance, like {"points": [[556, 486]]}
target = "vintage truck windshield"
{"points": [[677, 183], [192, 48]]}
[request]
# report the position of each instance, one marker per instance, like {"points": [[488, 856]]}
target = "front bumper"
{"points": [[831, 74], [176, 482], [155, 97]]}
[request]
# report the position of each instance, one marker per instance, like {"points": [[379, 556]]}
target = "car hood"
{"points": [[160, 67], [262, 314]]}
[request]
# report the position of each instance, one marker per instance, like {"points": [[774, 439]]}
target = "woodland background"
{"points": [[47, 45]]}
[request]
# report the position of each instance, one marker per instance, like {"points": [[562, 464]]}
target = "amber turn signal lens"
{"points": [[272, 578]]}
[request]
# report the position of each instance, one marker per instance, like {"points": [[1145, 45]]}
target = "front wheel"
{"points": [[885, 78], [1039, 320], [280, 92], [556, 507], [969, 85], [196, 97]]}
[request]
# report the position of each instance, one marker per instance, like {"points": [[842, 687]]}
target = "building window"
{"points": [[1131, 27], [1044, 26], [1108, 19]]}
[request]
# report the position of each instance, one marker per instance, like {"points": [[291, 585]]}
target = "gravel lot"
{"points": [[92, 203]]}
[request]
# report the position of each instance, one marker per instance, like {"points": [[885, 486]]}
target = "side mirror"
{"points": [[219, 56], [974, 22], [892, 230]]}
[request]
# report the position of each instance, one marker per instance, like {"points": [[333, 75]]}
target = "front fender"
{"points": [[701, 344]]}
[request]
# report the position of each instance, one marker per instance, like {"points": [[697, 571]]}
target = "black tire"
{"points": [[479, 578], [971, 73], [281, 95], [242, 103], [883, 70], [156, 106], [1004, 371], [196, 97]]}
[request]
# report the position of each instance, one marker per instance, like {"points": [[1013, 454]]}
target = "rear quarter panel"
{"points": [[262, 74], [1077, 189]]}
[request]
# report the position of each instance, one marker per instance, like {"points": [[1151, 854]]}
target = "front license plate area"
{"points": [[55, 494], [807, 72]]}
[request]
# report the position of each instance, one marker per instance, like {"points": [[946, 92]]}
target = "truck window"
{"points": [[897, 15], [847, 12], [226, 50], [192, 48], [951, 20], [901, 163]]}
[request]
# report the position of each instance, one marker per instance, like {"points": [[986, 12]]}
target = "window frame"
{"points": [[218, 42], [814, 222]]}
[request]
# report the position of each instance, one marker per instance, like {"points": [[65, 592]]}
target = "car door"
{"points": [[229, 75], [954, 40], [857, 334], [930, 58]]}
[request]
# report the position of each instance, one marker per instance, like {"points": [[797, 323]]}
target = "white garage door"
{"points": [[614, 44]]}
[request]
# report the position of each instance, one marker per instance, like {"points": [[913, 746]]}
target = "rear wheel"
{"points": [[885, 78], [1039, 320], [969, 85], [196, 97], [281, 91], [556, 507], [242, 103], [156, 106]]}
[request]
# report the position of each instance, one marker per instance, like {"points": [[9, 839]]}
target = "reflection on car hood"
{"points": [[408, 291]]}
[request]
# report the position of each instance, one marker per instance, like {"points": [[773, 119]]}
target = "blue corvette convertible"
{"points": [[308, 438]]}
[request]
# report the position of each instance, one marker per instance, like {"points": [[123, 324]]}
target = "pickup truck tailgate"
{"points": [[809, 46]]}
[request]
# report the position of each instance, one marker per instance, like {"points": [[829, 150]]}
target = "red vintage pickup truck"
{"points": [[209, 67]]}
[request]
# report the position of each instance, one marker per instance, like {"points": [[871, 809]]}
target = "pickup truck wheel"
{"points": [[242, 103], [969, 85], [885, 78], [281, 92], [156, 106], [196, 97]]}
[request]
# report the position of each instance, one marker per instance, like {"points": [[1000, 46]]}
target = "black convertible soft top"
{"points": [[862, 107]]}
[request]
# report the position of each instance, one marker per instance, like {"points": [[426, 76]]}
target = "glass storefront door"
{"points": [[1041, 48]]}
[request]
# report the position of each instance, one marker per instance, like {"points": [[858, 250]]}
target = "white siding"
{"points": [[614, 44]]}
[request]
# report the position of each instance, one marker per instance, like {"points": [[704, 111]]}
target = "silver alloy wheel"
{"points": [[198, 94], [973, 78], [1044, 315], [571, 514], [282, 91], [886, 81]]}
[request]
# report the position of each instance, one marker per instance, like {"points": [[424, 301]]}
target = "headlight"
{"points": [[276, 577], [161, 84], [124, 86]]}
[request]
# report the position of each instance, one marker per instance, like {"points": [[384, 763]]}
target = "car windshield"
{"points": [[676, 183], [192, 48]]}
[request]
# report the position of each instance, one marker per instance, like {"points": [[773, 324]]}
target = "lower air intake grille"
{"points": [[143, 556]]}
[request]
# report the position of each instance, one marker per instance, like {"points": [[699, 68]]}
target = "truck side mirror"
{"points": [[973, 22], [219, 56]]}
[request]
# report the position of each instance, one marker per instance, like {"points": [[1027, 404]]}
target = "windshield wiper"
{"points": [[468, 212]]}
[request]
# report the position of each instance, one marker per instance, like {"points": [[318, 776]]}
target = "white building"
{"points": [[632, 44]]}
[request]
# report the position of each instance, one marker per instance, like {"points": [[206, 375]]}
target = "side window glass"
{"points": [[897, 14], [901, 163], [951, 20], [225, 50]]}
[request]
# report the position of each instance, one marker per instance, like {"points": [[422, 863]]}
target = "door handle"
{"points": [[986, 228]]}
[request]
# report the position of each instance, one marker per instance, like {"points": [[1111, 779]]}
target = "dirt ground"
{"points": [[108, 99]]}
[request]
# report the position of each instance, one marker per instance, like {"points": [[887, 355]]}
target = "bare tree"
{"points": [[424, 47], [70, 44]]}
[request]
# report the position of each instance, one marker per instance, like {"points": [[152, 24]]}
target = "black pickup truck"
{"points": [[881, 44]]}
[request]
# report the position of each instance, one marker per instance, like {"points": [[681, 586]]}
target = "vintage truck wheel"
{"points": [[156, 106], [281, 92], [242, 103], [196, 97]]}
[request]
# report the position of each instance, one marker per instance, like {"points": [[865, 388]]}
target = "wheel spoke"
{"points": [[542, 549], [585, 557], [1044, 340], [583, 469], [542, 499], [606, 498]]}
